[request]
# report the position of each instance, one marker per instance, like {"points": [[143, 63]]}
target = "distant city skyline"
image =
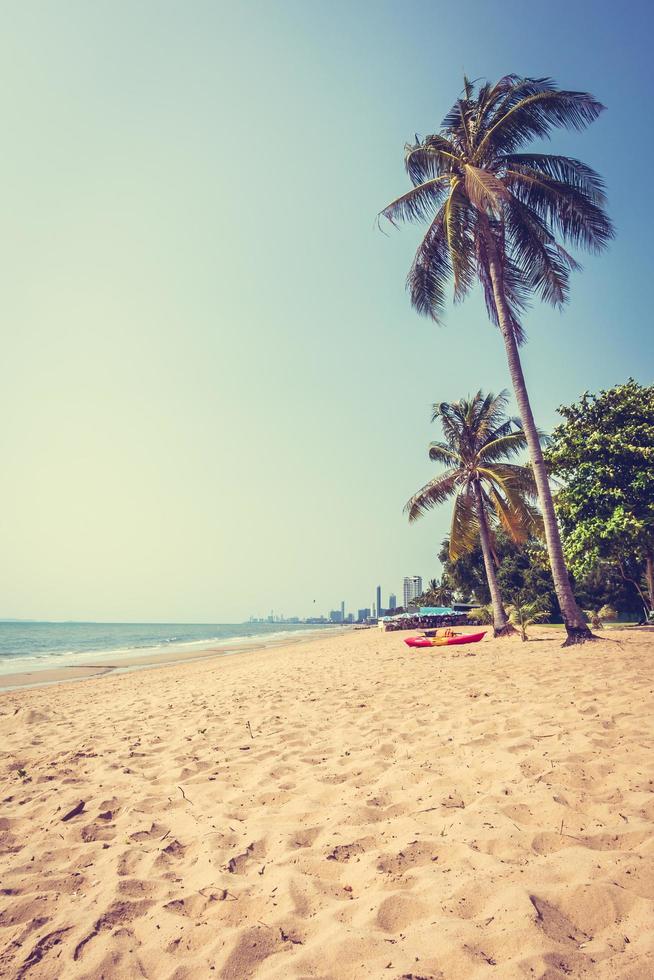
{"points": [[412, 587]]}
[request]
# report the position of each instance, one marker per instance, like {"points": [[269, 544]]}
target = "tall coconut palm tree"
{"points": [[487, 490], [495, 216]]}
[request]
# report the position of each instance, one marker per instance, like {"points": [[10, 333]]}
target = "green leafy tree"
{"points": [[604, 584], [497, 214], [438, 592], [525, 575], [486, 489], [523, 572], [467, 572], [603, 454]]}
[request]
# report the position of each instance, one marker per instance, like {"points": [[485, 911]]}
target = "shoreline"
{"points": [[49, 676]]}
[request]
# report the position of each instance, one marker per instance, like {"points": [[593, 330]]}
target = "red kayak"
{"points": [[444, 641]]}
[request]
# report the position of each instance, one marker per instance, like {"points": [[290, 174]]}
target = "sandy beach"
{"points": [[340, 808]]}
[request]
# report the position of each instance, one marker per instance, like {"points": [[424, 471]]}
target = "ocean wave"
{"points": [[31, 659]]}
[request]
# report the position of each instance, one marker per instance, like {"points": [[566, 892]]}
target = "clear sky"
{"points": [[215, 396]]}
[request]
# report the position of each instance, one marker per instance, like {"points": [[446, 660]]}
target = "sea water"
{"points": [[28, 646]]}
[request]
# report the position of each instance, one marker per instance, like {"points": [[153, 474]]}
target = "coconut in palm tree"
{"points": [[487, 490], [498, 214]]}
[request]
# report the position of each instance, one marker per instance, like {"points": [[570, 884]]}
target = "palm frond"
{"points": [[512, 422], [511, 519], [503, 446], [560, 168], [432, 157], [546, 266], [511, 477], [464, 529], [485, 191], [484, 105], [430, 271], [542, 108], [459, 241], [489, 414], [563, 207], [524, 614], [435, 492], [458, 123], [439, 452], [418, 204], [450, 421]]}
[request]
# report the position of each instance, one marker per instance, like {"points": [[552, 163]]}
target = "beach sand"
{"points": [[340, 808]]}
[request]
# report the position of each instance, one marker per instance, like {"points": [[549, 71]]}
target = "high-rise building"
{"points": [[336, 616], [392, 602], [412, 588], [379, 602], [363, 614], [343, 612]]}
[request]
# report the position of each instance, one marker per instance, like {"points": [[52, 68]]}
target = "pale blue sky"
{"points": [[216, 397]]}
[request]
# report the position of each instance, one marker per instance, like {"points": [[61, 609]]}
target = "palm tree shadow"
{"points": [[549, 639]]}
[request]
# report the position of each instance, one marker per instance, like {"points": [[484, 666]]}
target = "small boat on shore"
{"points": [[444, 641]]}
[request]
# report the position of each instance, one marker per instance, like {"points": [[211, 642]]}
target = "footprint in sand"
{"points": [[580, 913], [252, 947], [238, 864], [399, 911], [549, 843], [41, 948], [121, 960], [304, 838], [99, 830], [173, 851], [120, 914], [615, 842], [518, 812], [154, 832], [193, 906], [138, 888], [413, 855], [301, 893], [22, 911], [129, 863], [344, 852]]}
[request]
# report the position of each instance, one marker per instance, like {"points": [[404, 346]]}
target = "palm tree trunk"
{"points": [[649, 577], [501, 625], [575, 622]]}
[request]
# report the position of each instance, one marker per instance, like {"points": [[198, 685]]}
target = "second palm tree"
{"points": [[487, 490]]}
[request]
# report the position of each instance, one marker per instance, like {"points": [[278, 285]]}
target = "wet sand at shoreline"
{"points": [[152, 659]]}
